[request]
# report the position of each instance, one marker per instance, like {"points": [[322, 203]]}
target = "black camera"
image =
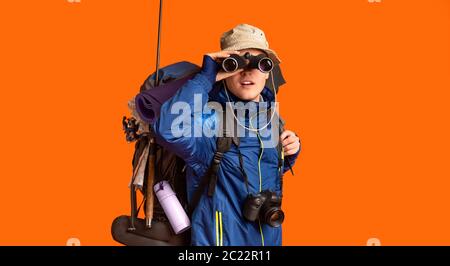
{"points": [[265, 206], [235, 62]]}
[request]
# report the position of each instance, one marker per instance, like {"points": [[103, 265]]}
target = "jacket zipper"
{"points": [[260, 182]]}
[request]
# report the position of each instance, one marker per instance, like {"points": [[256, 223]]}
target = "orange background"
{"points": [[368, 92]]}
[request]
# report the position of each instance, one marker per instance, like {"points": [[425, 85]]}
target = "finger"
{"points": [[290, 152], [291, 148], [287, 141], [285, 134], [231, 52], [223, 54], [290, 139]]}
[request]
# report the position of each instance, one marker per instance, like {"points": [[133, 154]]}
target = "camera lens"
{"points": [[274, 217], [265, 65], [230, 64]]}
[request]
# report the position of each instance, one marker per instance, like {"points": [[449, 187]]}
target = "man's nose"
{"points": [[247, 72]]}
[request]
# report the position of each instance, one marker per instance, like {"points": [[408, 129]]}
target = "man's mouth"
{"points": [[247, 83]]}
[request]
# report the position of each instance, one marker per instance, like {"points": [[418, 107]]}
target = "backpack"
{"points": [[153, 162]]}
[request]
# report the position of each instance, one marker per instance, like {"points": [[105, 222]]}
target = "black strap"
{"points": [[210, 177], [244, 174], [223, 144], [280, 156]]}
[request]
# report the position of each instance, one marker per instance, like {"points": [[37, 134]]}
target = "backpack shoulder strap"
{"points": [[223, 144]]}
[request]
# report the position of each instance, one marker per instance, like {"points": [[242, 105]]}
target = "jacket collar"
{"points": [[218, 94]]}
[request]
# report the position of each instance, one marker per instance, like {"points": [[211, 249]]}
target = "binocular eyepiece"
{"points": [[235, 62]]}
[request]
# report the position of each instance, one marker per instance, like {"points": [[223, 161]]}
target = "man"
{"points": [[252, 167]]}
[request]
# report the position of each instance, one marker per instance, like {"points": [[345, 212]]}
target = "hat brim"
{"points": [[271, 53]]}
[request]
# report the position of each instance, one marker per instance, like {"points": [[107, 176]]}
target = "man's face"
{"points": [[238, 83]]}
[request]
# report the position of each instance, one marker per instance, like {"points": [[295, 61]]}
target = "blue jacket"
{"points": [[218, 220]]}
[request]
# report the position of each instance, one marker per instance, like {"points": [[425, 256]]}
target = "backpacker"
{"points": [[130, 230], [153, 163]]}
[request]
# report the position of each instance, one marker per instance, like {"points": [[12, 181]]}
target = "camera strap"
{"points": [[281, 156], [241, 166]]}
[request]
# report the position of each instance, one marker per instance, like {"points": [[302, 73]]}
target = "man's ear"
{"points": [[267, 75]]}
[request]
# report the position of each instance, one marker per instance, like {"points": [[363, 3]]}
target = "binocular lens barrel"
{"points": [[230, 64], [235, 62], [265, 65]]}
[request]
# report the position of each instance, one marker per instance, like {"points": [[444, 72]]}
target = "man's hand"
{"points": [[218, 57], [290, 142]]}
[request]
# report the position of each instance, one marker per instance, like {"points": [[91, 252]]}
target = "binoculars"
{"points": [[235, 62]]}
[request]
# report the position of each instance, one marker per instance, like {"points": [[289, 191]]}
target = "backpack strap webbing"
{"points": [[209, 179]]}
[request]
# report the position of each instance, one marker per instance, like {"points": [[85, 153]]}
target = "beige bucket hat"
{"points": [[245, 36]]}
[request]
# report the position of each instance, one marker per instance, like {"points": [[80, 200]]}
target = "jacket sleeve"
{"points": [[181, 123]]}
